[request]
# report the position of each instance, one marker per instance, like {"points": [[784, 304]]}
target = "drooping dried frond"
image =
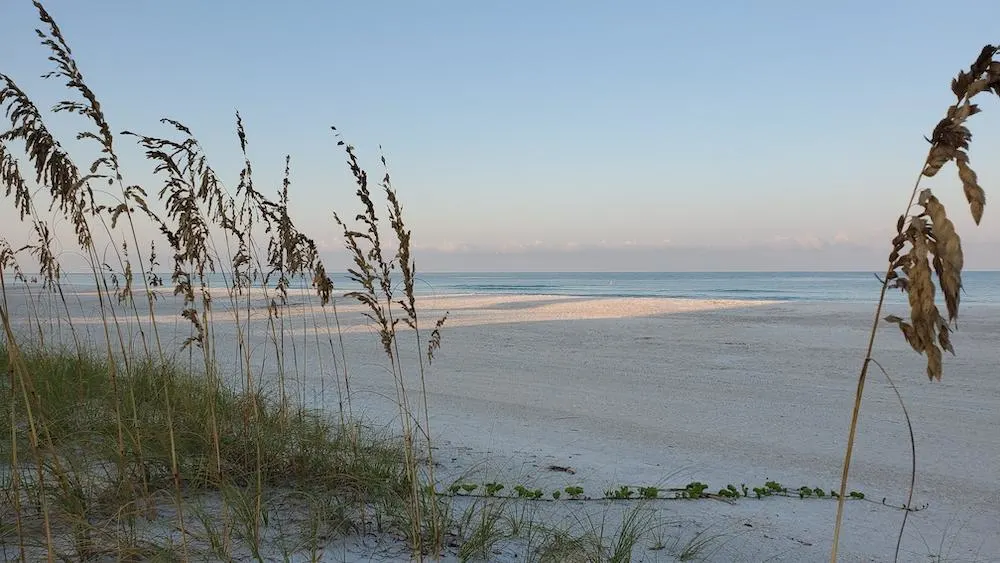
{"points": [[54, 169], [154, 278], [908, 333], [970, 185], [7, 258], [364, 274], [124, 293], [13, 183], [371, 270], [290, 253], [923, 311], [251, 207], [947, 249], [322, 283], [67, 69], [928, 240], [192, 194], [253, 201], [8, 261], [950, 139], [48, 265], [435, 341], [927, 332], [406, 264], [281, 246], [198, 338], [369, 217]]}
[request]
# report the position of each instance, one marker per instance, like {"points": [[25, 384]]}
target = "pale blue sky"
{"points": [[670, 135]]}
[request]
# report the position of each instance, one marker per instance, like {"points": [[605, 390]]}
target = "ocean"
{"points": [[979, 287], [858, 287]]}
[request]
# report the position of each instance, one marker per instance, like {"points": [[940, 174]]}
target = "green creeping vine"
{"points": [[692, 491]]}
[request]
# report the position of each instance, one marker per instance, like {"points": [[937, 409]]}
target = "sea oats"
{"points": [[54, 168], [189, 208], [930, 235], [925, 239]]}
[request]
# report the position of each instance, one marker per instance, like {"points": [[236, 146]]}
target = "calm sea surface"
{"points": [[979, 287]]}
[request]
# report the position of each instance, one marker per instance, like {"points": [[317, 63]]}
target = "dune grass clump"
{"points": [[86, 485], [72, 395]]}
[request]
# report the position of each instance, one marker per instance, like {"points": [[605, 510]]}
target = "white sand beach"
{"points": [[650, 391], [714, 392]]}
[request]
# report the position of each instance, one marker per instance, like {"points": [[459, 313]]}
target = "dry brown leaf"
{"points": [[901, 284], [921, 287], [944, 337], [977, 86], [958, 114], [924, 314], [983, 61], [908, 332], [937, 263], [994, 74], [951, 133], [933, 363], [974, 194], [960, 84], [938, 156], [899, 261], [947, 249]]}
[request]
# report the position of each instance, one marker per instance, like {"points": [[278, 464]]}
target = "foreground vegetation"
{"points": [[96, 497], [320, 480], [107, 431], [118, 449]]}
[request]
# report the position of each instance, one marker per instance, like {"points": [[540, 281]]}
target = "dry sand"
{"points": [[725, 394], [664, 392]]}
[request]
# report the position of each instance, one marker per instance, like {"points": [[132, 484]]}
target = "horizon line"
{"points": [[488, 272]]}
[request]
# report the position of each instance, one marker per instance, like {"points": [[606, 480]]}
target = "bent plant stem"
{"points": [[913, 458], [849, 450]]}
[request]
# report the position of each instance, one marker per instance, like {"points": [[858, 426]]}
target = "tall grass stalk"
{"points": [[372, 271], [926, 240]]}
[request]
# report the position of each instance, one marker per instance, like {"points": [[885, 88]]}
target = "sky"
{"points": [[525, 135]]}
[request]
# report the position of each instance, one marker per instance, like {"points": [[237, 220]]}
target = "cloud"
{"points": [[809, 242], [787, 253], [806, 252], [537, 245]]}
